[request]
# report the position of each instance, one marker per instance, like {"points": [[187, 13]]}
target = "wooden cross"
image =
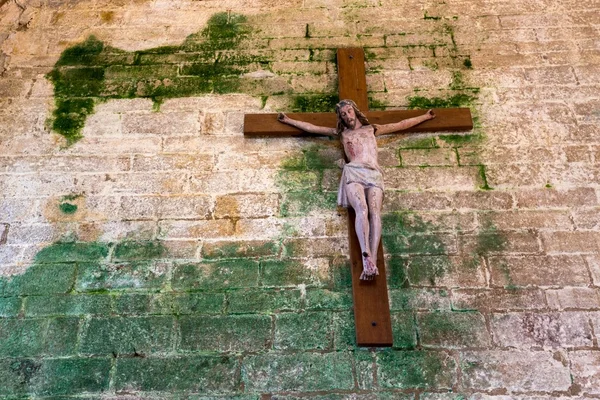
{"points": [[371, 304]]}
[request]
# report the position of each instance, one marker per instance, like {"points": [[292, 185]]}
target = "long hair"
{"points": [[340, 122]]}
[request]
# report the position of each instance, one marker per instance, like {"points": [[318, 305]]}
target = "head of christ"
{"points": [[347, 113]]}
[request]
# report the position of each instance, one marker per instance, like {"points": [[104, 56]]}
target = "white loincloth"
{"points": [[358, 173]]}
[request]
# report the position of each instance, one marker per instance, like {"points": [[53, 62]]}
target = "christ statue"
{"points": [[361, 186]]}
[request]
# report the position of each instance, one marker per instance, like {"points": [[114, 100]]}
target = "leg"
{"points": [[358, 201], [374, 202]]}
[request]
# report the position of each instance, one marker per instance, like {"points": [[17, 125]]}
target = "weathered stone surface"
{"points": [[236, 333], [539, 271], [547, 330], [453, 330], [415, 369], [303, 331], [498, 299], [514, 370], [197, 374], [142, 335], [298, 373], [223, 259], [573, 298], [584, 366]]}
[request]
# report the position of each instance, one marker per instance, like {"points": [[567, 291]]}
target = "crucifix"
{"points": [[370, 297]]}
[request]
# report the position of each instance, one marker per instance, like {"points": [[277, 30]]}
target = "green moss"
{"points": [[315, 103], [467, 63], [375, 104], [90, 72], [68, 208], [457, 100], [483, 176], [429, 17], [301, 179], [424, 143]]}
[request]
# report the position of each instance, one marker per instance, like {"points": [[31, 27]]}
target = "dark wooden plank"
{"points": [[373, 324], [352, 76], [448, 120]]}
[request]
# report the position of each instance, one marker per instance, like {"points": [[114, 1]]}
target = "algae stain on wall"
{"points": [[90, 72]]}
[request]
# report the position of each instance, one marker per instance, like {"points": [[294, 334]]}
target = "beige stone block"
{"points": [[113, 231], [185, 207], [571, 242], [167, 162], [323, 247], [498, 299], [546, 330], [578, 153], [514, 371], [279, 30], [115, 145], [431, 178], [245, 180], [482, 200], [235, 162], [534, 271], [550, 198], [200, 230], [102, 124], [23, 234], [247, 206], [524, 220], [402, 200], [587, 74], [593, 263], [212, 123], [299, 67], [585, 367], [573, 298], [587, 218], [138, 207], [59, 163], [261, 228], [416, 79], [161, 123], [135, 183], [9, 256], [325, 83], [428, 157], [38, 185], [26, 210]]}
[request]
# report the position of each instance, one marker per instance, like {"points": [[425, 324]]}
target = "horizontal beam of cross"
{"points": [[447, 120]]}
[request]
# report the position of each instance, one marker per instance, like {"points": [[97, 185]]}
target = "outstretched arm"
{"points": [[404, 124], [307, 126]]}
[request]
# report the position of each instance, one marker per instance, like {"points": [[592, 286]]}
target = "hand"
{"points": [[430, 114], [282, 117]]}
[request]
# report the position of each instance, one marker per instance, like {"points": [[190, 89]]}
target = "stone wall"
{"points": [[149, 250]]}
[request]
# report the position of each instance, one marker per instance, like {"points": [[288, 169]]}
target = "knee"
{"points": [[362, 214]]}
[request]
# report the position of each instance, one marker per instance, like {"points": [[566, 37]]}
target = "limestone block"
{"points": [[573, 298], [558, 270], [513, 370], [546, 330]]}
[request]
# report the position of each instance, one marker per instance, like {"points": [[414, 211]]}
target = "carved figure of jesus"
{"points": [[361, 185]]}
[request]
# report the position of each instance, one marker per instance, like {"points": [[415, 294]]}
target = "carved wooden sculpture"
{"points": [[371, 304]]}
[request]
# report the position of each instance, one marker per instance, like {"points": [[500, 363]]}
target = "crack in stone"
{"points": [[4, 235]]}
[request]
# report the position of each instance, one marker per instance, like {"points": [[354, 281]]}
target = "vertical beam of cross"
{"points": [[371, 305]]}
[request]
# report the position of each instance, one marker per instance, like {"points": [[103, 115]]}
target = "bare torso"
{"points": [[360, 145]]}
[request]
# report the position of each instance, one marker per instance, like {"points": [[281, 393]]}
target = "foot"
{"points": [[369, 268]]}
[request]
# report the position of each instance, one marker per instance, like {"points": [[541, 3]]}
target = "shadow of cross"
{"points": [[370, 298]]}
